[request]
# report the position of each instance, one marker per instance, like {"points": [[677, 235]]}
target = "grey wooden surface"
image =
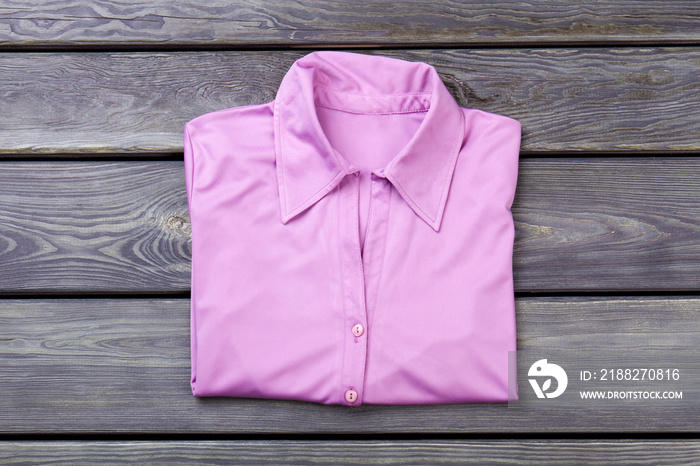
{"points": [[322, 23], [582, 224], [95, 252], [567, 99], [496, 452], [122, 365]]}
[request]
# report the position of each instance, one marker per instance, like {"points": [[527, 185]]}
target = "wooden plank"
{"points": [[582, 224], [536, 452], [109, 365], [607, 225], [309, 23], [620, 99], [94, 227]]}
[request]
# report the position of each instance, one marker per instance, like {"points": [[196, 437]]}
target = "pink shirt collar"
{"points": [[308, 167]]}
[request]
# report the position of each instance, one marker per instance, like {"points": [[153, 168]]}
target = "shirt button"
{"points": [[350, 396], [358, 330]]}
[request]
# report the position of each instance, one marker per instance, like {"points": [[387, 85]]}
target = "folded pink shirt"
{"points": [[352, 240]]}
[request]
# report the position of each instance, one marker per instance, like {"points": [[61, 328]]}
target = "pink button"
{"points": [[350, 396], [358, 330]]}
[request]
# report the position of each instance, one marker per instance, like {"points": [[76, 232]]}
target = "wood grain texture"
{"points": [[105, 227], [581, 225], [307, 23], [293, 452], [107, 365], [607, 224], [581, 100]]}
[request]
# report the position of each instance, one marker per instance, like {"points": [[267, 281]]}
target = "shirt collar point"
{"points": [[433, 217], [297, 194], [286, 216], [434, 223]]}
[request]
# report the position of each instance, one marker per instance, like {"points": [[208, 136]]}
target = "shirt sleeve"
{"points": [[189, 181], [189, 164], [512, 155]]}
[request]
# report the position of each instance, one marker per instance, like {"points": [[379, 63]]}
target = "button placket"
{"points": [[361, 275], [352, 276], [375, 245]]}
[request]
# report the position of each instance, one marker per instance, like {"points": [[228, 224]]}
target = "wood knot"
{"points": [[179, 225]]}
